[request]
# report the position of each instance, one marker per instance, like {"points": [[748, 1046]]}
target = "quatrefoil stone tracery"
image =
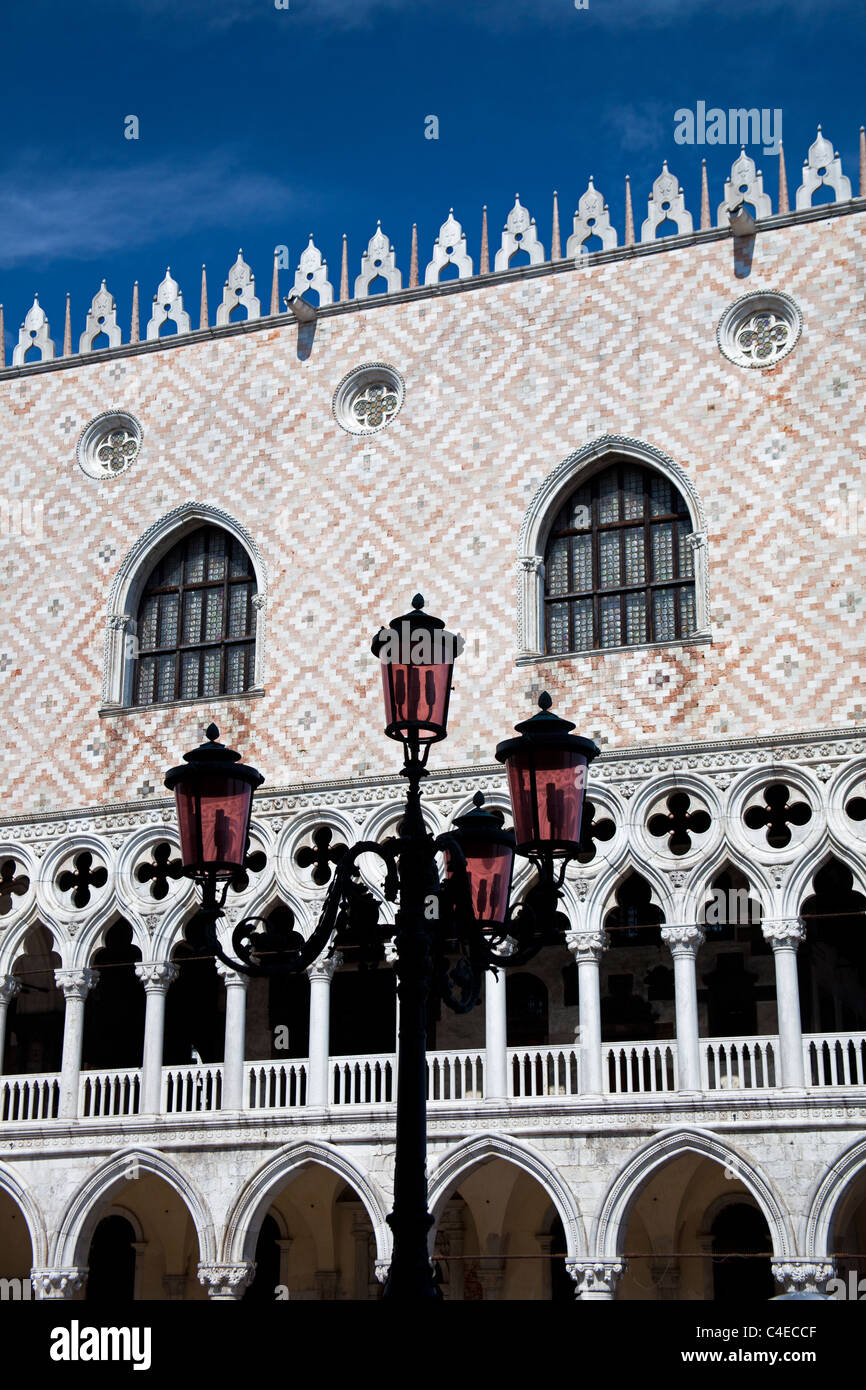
{"points": [[763, 337], [375, 405]]}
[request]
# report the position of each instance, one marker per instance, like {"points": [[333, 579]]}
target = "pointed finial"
{"points": [[705, 198], [544, 700], [202, 318], [2, 338], [629, 216], [133, 332], [418, 601], [783, 181], [413, 259], [484, 263], [478, 800], [344, 271], [555, 242], [212, 733], [67, 329], [862, 162], [275, 285]]}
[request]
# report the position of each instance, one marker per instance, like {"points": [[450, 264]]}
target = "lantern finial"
{"points": [[212, 733], [544, 700], [418, 601]]}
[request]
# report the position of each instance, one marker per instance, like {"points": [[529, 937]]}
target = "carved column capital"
{"points": [[783, 933], [156, 975], [391, 951], [232, 979], [226, 1281], [58, 1283], [531, 564], [685, 939], [76, 984], [803, 1276], [10, 987], [381, 1268], [587, 944], [595, 1278], [325, 967]]}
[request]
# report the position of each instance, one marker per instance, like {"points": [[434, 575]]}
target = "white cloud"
{"points": [[83, 213]]}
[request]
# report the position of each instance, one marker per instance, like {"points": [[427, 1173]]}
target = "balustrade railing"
{"points": [[190, 1090], [543, 1071], [29, 1097], [109, 1093], [835, 1059], [455, 1075], [639, 1068], [276, 1085], [739, 1064]]}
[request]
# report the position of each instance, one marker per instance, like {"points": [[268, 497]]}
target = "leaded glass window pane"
{"points": [[635, 568], [557, 567], [664, 621], [583, 625], [582, 563], [197, 600], [687, 555], [611, 628], [660, 495], [608, 556], [608, 497], [632, 494], [557, 620], [662, 552], [688, 622], [635, 618], [580, 509]]}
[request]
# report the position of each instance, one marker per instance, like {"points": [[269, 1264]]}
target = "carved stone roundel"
{"points": [[758, 330], [368, 398], [109, 445]]}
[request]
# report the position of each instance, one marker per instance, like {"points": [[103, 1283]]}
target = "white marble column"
{"points": [[587, 946], [76, 985], [156, 976], [784, 935], [685, 942], [595, 1279], [9, 988], [495, 1035], [321, 972], [234, 1051]]}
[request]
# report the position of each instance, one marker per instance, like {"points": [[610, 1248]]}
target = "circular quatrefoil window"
{"points": [[368, 398], [109, 445], [759, 329]]}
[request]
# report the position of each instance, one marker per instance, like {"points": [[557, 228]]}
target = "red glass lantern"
{"points": [[546, 769], [417, 657], [489, 852], [214, 795]]}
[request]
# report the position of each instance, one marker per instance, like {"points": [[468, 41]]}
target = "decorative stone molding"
{"points": [[519, 234], [381, 1268], [587, 944], [34, 333], [156, 975], [592, 218], [783, 933], [168, 308], [232, 979], [312, 274], [10, 988], [683, 940], [76, 984], [101, 318], [822, 168], [109, 445], [368, 398], [226, 1281], [595, 1278], [449, 249], [759, 330], [239, 288], [745, 185], [59, 1283], [325, 967], [666, 202], [378, 259], [549, 497], [803, 1276]]}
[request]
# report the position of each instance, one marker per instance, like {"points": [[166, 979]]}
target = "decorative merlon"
{"points": [[312, 274], [34, 333], [666, 203], [239, 289], [168, 308], [519, 234], [745, 185], [822, 169], [101, 318], [591, 219], [449, 249], [379, 259]]}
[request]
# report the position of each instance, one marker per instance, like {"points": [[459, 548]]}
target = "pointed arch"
{"points": [[252, 1202], [17, 1189], [800, 886], [86, 1208], [826, 1198], [129, 581], [483, 1147], [612, 1221], [550, 496]]}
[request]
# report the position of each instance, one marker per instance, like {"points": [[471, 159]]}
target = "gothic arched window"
{"points": [[196, 622], [619, 569]]}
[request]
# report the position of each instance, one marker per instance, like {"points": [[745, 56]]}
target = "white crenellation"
{"points": [[168, 308], [378, 259], [240, 288], [312, 274], [745, 185], [592, 218], [449, 249], [34, 333], [519, 234], [666, 203], [101, 318], [822, 168]]}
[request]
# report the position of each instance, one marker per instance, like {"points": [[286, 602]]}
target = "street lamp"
{"points": [[468, 914]]}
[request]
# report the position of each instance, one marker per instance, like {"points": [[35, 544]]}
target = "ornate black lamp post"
{"points": [[468, 915]]}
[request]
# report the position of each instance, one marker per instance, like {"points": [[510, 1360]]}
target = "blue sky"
{"points": [[259, 125]]}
